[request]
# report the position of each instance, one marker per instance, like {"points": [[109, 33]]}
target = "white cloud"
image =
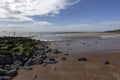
{"points": [[20, 9], [109, 25], [44, 26], [42, 23]]}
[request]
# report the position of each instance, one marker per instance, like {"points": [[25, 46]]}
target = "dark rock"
{"points": [[2, 72], [7, 67], [25, 59], [38, 60], [56, 51], [82, 59], [63, 58], [29, 62], [44, 56], [52, 58], [105, 62], [15, 49], [5, 60], [48, 50], [66, 54], [1, 66], [3, 78], [12, 73], [16, 64], [45, 64]]}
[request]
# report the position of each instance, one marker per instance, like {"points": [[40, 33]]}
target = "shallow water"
{"points": [[47, 36], [87, 45], [74, 44]]}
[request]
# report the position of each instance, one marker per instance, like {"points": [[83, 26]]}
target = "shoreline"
{"points": [[60, 60]]}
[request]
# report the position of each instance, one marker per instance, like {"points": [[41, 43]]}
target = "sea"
{"points": [[47, 36]]}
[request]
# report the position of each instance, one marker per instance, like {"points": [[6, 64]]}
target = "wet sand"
{"points": [[95, 50], [87, 45], [72, 69], [90, 34]]}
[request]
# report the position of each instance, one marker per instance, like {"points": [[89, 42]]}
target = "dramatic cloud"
{"points": [[20, 10]]}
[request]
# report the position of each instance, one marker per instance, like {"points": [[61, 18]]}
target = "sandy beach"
{"points": [[72, 69], [96, 51]]}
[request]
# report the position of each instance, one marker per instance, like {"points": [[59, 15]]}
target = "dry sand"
{"points": [[72, 69]]}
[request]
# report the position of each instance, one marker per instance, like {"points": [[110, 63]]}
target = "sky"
{"points": [[59, 15]]}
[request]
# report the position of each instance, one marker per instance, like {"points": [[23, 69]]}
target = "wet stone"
{"points": [[12, 73], [2, 72]]}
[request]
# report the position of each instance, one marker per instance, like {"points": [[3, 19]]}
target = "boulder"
{"points": [[2, 72], [12, 73]]}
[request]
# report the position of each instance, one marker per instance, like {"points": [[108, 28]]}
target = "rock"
{"points": [[96, 42], [34, 76], [16, 64], [7, 67], [3, 78], [29, 62], [15, 49], [66, 54], [52, 58], [45, 64], [25, 59], [105, 62], [53, 68], [47, 50], [63, 58], [4, 60], [27, 68], [1, 66], [56, 51], [82, 59], [19, 63], [44, 56], [68, 44], [12, 73], [2, 72], [38, 60]]}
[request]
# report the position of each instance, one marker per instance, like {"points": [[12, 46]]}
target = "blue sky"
{"points": [[60, 15], [87, 11]]}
